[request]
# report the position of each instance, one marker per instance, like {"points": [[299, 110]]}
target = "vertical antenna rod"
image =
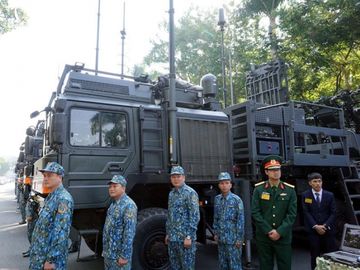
{"points": [[172, 103], [123, 34], [97, 40]]}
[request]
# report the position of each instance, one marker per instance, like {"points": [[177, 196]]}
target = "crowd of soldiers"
{"points": [[274, 210]]}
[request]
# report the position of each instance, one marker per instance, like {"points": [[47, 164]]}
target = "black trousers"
{"points": [[320, 244]]}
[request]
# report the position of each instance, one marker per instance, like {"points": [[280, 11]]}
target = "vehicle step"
{"points": [[354, 196], [357, 212]]}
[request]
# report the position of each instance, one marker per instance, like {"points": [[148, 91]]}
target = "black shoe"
{"points": [[73, 248], [22, 222], [26, 254]]}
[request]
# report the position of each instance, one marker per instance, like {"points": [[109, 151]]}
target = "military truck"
{"points": [[106, 124], [308, 136], [100, 125]]}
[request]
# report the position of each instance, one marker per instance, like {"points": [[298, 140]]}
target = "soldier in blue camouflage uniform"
{"points": [[228, 224], [32, 214], [120, 226], [49, 242], [181, 225]]}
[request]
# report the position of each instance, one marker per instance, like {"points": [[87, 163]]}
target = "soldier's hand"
{"points": [[122, 262], [238, 244], [274, 235], [320, 229], [187, 243], [166, 239], [216, 238], [49, 266]]}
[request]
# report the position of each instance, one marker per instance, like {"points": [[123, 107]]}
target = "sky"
{"points": [[61, 32]]}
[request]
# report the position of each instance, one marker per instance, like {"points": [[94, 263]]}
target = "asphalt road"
{"points": [[13, 241]]}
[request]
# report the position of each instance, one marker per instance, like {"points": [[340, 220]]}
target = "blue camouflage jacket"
{"points": [[229, 218], [50, 237], [119, 229], [183, 214]]}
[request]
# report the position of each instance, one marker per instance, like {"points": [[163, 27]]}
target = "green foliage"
{"points": [[10, 17], [322, 46], [318, 39]]}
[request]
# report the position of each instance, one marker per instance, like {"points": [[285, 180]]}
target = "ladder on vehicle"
{"points": [[351, 188]]}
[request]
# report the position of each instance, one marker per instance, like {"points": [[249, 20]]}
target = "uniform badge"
{"points": [[265, 196], [283, 194], [308, 200], [62, 208]]}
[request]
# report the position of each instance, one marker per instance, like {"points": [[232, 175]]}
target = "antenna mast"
{"points": [[123, 34]]}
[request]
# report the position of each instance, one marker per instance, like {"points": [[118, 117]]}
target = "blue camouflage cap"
{"points": [[224, 176], [177, 170], [54, 167], [118, 179]]}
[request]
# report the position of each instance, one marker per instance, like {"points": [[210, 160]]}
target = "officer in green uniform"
{"points": [[274, 212]]}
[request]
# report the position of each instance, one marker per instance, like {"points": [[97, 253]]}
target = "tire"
{"points": [[149, 249]]}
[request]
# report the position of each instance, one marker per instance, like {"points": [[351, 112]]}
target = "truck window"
{"points": [[99, 129]]}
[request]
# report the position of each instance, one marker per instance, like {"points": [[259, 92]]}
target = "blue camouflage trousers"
{"points": [[30, 229], [229, 257], [112, 265], [181, 258]]}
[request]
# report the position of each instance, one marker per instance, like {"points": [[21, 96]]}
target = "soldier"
{"points": [[22, 200], [228, 224], [119, 228], [181, 225], [49, 242], [274, 212], [32, 214]]}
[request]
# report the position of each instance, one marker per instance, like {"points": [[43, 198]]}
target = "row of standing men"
{"points": [[274, 208]]}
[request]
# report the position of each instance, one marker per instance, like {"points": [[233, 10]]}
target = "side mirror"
{"points": [[58, 130], [34, 114]]}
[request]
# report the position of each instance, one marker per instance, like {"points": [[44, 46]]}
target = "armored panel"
{"points": [[272, 115], [205, 148], [299, 115], [89, 85]]}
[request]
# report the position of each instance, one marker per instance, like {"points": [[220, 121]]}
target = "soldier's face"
{"points": [[273, 174], [177, 180], [316, 184], [51, 180], [116, 190], [225, 186]]}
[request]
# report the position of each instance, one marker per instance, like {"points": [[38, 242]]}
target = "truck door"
{"points": [[99, 146]]}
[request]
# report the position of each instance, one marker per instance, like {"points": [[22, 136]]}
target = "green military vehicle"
{"points": [[101, 125]]}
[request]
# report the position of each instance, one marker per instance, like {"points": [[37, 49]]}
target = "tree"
{"points": [[269, 8], [322, 46], [10, 17]]}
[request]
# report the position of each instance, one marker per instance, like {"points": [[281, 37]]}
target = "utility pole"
{"points": [[222, 23], [123, 34], [97, 40]]}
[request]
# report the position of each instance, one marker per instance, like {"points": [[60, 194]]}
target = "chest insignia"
{"points": [[265, 196], [308, 200], [283, 194]]}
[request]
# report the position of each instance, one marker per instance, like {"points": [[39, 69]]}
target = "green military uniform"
{"points": [[274, 207]]}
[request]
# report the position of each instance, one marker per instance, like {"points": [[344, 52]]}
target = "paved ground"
{"points": [[13, 241]]}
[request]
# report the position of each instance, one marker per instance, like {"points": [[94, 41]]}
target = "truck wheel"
{"points": [[150, 251]]}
